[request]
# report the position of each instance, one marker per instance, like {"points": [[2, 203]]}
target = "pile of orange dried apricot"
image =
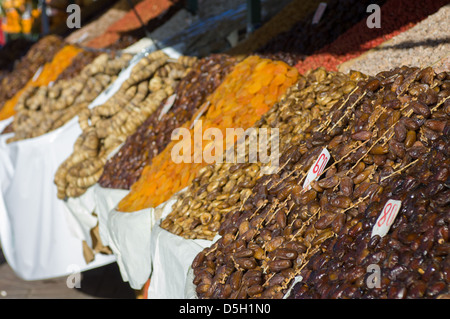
{"points": [[248, 92]]}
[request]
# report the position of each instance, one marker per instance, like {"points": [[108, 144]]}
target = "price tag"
{"points": [[200, 113], [319, 12], [297, 279], [38, 72], [167, 106], [316, 169], [386, 218]]}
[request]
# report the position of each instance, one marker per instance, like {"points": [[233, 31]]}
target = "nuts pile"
{"points": [[222, 187], [125, 167], [378, 130], [106, 126], [248, 92], [45, 108], [412, 258]]}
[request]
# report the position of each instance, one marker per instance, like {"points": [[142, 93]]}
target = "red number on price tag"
{"points": [[320, 163], [317, 168], [386, 218]]}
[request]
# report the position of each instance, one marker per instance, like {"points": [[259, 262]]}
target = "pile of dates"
{"points": [[379, 130], [412, 260], [126, 166], [222, 187]]}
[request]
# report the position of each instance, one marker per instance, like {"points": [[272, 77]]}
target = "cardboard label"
{"points": [[386, 218]]}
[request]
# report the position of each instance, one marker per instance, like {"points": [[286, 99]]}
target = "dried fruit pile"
{"points": [[41, 109], [221, 188], [397, 16], [305, 38], [246, 93], [125, 167], [106, 126], [412, 258], [375, 132], [82, 59], [39, 54]]}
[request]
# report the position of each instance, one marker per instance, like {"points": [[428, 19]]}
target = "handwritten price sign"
{"points": [[316, 169], [386, 218]]}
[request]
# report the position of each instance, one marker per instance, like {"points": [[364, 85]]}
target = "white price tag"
{"points": [[167, 106], [38, 72], [200, 113], [386, 218], [317, 168], [319, 12], [297, 279]]}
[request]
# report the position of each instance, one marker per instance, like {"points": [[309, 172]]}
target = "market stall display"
{"points": [[221, 188], [48, 74], [310, 161], [106, 126], [41, 109], [244, 86], [372, 134], [39, 54], [82, 59], [125, 167]]}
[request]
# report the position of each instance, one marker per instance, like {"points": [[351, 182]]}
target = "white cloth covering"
{"points": [[35, 234]]}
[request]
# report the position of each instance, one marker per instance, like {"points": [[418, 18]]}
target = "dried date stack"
{"points": [[412, 259], [382, 128]]}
